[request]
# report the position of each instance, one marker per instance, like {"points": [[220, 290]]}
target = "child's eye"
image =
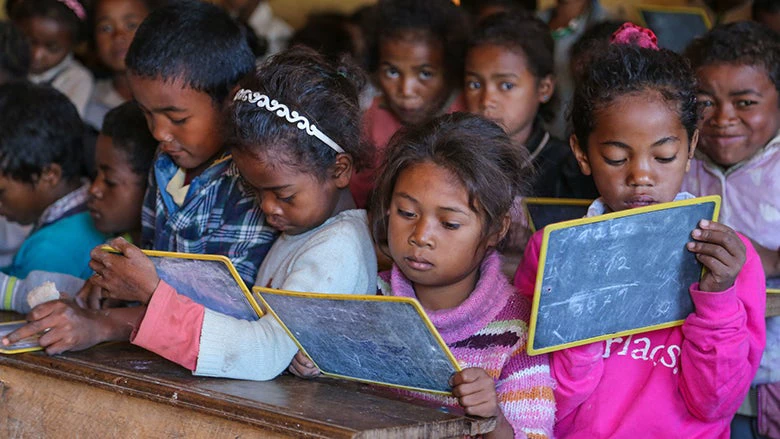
{"points": [[425, 74], [473, 85], [105, 28], [405, 214], [179, 121], [506, 86], [745, 103], [132, 26], [110, 183], [666, 159], [287, 200], [705, 103], [450, 226], [391, 73], [614, 162]]}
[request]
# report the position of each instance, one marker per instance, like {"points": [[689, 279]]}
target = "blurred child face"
{"points": [[117, 194], [434, 236], [50, 42], [638, 151], [292, 200], [739, 109], [22, 202], [115, 25], [500, 86], [185, 121], [412, 77]]}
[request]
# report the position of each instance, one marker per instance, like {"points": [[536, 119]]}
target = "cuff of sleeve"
{"points": [[171, 326], [714, 305]]}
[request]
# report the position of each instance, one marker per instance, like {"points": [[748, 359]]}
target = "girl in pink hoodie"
{"points": [[634, 119]]}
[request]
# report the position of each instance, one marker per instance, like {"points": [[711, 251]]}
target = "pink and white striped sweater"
{"points": [[490, 330]]}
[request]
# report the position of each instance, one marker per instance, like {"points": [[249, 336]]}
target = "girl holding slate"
{"points": [[441, 211], [634, 118]]}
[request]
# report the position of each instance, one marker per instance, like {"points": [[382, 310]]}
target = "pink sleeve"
{"points": [[723, 342], [171, 327], [525, 276]]}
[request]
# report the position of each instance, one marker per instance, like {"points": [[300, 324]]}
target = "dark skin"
{"points": [[129, 271]]}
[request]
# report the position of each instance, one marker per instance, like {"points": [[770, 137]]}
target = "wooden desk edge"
{"points": [[266, 416]]}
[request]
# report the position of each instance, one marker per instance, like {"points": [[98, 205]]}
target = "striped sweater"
{"points": [[490, 330]]}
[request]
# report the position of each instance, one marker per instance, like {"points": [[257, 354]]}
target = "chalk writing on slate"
{"points": [[545, 211], [207, 280], [616, 274], [374, 339], [675, 27]]}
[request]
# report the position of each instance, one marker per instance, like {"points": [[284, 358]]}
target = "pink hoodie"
{"points": [[684, 382]]}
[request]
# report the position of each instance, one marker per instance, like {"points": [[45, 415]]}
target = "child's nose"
{"points": [[269, 206], [641, 173], [408, 86], [421, 236], [724, 115], [96, 189], [488, 99]]}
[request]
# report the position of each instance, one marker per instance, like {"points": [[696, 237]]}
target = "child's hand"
{"points": [[303, 367], [476, 392], [129, 275], [67, 327], [721, 252]]}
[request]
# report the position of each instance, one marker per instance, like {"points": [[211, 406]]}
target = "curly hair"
{"points": [[626, 69], [742, 43]]}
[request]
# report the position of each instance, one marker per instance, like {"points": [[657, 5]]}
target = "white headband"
{"points": [[282, 110]]}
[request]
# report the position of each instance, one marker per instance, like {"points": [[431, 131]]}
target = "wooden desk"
{"points": [[119, 390]]}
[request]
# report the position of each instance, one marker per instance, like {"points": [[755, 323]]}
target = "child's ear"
{"points": [[579, 154], [500, 234], [692, 149], [51, 175], [341, 171], [545, 89]]}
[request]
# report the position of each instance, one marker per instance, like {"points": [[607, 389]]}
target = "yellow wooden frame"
{"points": [[692, 10], [10, 350], [606, 217], [543, 201], [204, 257], [414, 303]]}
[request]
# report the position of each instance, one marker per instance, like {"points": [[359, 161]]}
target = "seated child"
{"points": [[295, 131], [441, 209], [54, 28], [114, 22], [738, 69], [634, 118], [125, 151], [39, 181], [417, 58], [182, 64], [510, 80]]}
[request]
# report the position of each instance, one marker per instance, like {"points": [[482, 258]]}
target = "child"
{"points": [[738, 68], [125, 152], [418, 61], [509, 79], [54, 28], [39, 185], [441, 208], [301, 176], [114, 25], [182, 64], [634, 119], [14, 53]]}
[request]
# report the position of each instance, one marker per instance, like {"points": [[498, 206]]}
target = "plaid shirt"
{"points": [[219, 216]]}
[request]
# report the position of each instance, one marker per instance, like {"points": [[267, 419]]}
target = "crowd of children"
{"points": [[406, 137]]}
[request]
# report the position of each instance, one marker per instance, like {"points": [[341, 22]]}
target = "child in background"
{"points": [[54, 28], [767, 12], [125, 152], [593, 41], [418, 61], [441, 209], [114, 24], [634, 119], [258, 15], [510, 80], [295, 133]]}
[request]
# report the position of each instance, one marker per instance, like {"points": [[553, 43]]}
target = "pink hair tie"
{"points": [[76, 7], [634, 35]]}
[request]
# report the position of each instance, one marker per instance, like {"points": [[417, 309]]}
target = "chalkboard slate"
{"points": [[621, 273], [210, 280], [28, 344], [376, 339], [542, 212], [675, 27], [773, 285]]}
